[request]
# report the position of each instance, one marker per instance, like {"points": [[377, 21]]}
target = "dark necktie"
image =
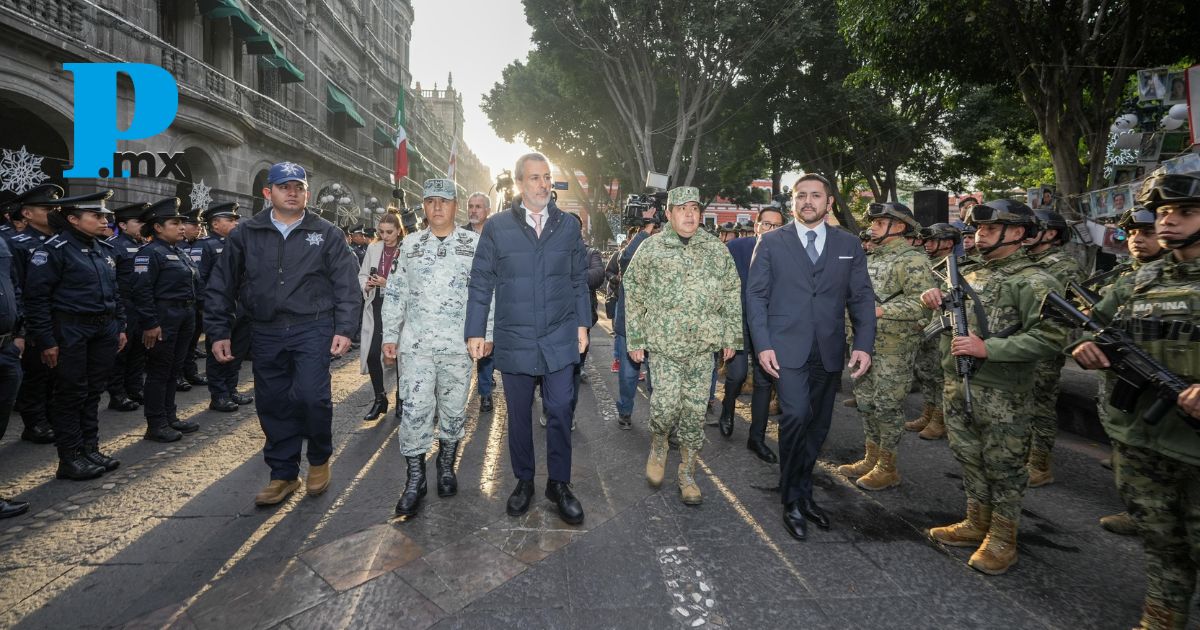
{"points": [[812, 246]]}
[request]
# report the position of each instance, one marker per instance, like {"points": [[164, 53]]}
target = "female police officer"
{"points": [[164, 292], [74, 312]]}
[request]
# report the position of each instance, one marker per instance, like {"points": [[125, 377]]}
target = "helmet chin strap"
{"points": [[999, 243], [1181, 243], [878, 240]]}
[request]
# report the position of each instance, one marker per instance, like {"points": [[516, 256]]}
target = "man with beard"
{"points": [[479, 206]]}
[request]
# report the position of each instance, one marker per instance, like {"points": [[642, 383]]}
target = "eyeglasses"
{"points": [[767, 226], [1167, 188]]}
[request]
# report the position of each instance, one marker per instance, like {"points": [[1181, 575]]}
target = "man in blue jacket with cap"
{"points": [[299, 283]]}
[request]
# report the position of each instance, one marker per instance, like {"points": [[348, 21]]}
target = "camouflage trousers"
{"points": [[433, 388], [680, 396], [927, 368], [1162, 496], [880, 394], [1043, 403], [992, 446]]}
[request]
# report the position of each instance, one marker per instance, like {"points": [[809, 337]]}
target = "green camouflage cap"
{"points": [[683, 194], [443, 188]]}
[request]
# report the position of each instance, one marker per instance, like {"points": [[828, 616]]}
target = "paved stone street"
{"points": [[173, 538]]}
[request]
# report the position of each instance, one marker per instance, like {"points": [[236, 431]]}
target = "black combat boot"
{"points": [[183, 426], [485, 403], [74, 466], [222, 404], [447, 483], [182, 386], [241, 399], [160, 431], [410, 500], [378, 408], [121, 403], [39, 433], [93, 454], [399, 413]]}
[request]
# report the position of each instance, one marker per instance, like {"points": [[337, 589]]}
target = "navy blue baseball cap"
{"points": [[284, 172]]}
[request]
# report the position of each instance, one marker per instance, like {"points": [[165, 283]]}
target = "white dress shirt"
{"points": [[803, 231], [529, 217]]}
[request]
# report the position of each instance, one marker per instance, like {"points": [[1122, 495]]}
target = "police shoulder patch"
{"points": [[141, 260], [21, 238], [39, 257]]}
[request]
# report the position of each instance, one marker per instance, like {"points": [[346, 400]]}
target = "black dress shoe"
{"points": [[794, 521], [40, 433], [763, 451], [184, 427], [9, 508], [137, 397], [485, 403], [726, 422], [182, 385], [222, 404], [196, 379], [518, 501], [162, 434], [814, 513], [241, 399], [569, 508], [76, 467], [625, 422], [121, 403], [378, 408], [94, 455]]}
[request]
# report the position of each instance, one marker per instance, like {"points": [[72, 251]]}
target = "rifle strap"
{"points": [[977, 306]]}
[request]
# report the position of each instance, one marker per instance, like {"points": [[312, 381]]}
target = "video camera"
{"points": [[410, 218], [504, 186], [638, 206]]}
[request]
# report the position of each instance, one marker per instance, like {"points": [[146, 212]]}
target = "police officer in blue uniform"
{"points": [[11, 344], [165, 286], [221, 218], [36, 384], [10, 213], [129, 370], [299, 286], [74, 313], [191, 237]]}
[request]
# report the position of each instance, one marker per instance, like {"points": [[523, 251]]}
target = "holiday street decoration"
{"points": [[20, 170], [200, 197]]}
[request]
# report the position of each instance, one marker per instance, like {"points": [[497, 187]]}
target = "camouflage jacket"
{"points": [[1060, 263], [899, 274], [1011, 291], [682, 300], [425, 302], [1145, 303]]}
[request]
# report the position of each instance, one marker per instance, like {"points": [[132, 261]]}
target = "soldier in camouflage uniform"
{"points": [[1137, 226], [424, 312], [682, 304], [899, 273], [1157, 465], [1047, 250], [939, 240], [1008, 339]]}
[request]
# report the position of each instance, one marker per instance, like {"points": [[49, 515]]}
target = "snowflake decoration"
{"points": [[289, 168], [200, 196], [20, 170]]}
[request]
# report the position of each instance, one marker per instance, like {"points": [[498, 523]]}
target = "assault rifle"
{"points": [[1136, 371], [954, 303]]}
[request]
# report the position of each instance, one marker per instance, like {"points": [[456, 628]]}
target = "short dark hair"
{"points": [[782, 216], [813, 177]]}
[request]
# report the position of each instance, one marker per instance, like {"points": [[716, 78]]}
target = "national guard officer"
{"points": [[899, 274], [1008, 337], [299, 286], [682, 303], [190, 245], [939, 241], [37, 383], [222, 377], [12, 342], [1157, 465], [73, 309], [423, 315], [129, 370], [1047, 250], [165, 284]]}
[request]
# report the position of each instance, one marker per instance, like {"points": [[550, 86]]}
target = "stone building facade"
{"points": [[260, 81]]}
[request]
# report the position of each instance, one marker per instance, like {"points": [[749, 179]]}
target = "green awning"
{"points": [[288, 72], [243, 25], [382, 137], [263, 44], [339, 103]]}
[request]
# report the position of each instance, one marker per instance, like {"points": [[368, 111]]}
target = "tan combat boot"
{"points": [[862, 466], [851, 402], [276, 491], [1120, 523], [920, 421], [1039, 468], [656, 464], [1157, 616], [999, 550], [968, 532], [689, 492], [883, 475], [936, 429], [318, 480]]}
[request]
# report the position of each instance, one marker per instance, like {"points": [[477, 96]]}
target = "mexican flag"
{"points": [[401, 142]]}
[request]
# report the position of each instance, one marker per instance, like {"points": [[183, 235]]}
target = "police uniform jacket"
{"points": [[164, 276], [72, 274], [310, 274], [10, 296], [124, 250], [22, 244]]}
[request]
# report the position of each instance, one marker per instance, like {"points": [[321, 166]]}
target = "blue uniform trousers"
{"points": [[86, 349], [292, 392], [557, 389], [223, 377], [10, 382], [164, 362]]}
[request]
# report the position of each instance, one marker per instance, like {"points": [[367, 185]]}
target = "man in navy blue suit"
{"points": [[742, 250], [803, 280]]}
